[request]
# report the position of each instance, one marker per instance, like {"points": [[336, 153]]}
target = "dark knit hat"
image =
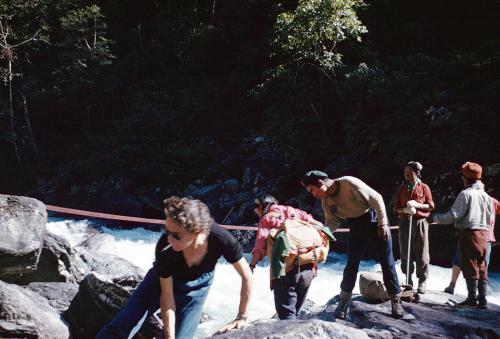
{"points": [[472, 170], [312, 177]]}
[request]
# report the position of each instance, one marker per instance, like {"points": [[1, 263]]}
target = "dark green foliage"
{"points": [[159, 91]]}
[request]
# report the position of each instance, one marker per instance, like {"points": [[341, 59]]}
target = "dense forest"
{"points": [[157, 92]]}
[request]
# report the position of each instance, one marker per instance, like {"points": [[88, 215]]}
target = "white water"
{"points": [[137, 245]]}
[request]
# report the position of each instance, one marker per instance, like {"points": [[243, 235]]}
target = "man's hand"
{"points": [[383, 232], [417, 205], [412, 203], [409, 210], [233, 325]]}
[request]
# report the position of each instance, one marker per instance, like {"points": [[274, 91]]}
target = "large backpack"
{"points": [[372, 288], [308, 244]]}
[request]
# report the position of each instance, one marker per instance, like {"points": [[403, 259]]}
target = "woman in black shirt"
{"points": [[182, 274], [186, 266]]}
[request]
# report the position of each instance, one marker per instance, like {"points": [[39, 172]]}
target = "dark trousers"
{"points": [[363, 229], [290, 291]]}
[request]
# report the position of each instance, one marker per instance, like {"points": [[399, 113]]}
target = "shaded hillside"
{"points": [[172, 93]]}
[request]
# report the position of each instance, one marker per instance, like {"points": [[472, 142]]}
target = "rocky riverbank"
{"points": [[51, 289]]}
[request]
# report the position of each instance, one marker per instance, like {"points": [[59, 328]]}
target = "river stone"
{"points": [[25, 314], [97, 302], [58, 262], [231, 185], [22, 226], [300, 329], [58, 294]]}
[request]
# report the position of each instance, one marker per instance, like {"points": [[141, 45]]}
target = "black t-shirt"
{"points": [[220, 243]]}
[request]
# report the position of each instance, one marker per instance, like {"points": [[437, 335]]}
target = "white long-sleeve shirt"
{"points": [[473, 209]]}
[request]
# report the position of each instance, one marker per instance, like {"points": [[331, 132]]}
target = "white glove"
{"points": [[412, 204], [410, 210]]}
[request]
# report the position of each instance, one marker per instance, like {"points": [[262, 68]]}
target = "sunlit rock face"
{"points": [[25, 314], [22, 229], [435, 315]]}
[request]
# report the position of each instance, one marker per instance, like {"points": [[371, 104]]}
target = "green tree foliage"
{"points": [[18, 41], [301, 88], [155, 90], [310, 34], [85, 47]]}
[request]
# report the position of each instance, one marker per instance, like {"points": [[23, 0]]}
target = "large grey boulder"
{"points": [[91, 252], [58, 262], [96, 303], [25, 314], [436, 315], [304, 329], [22, 229], [58, 294]]}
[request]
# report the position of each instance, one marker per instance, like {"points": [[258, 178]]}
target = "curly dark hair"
{"points": [[191, 214]]}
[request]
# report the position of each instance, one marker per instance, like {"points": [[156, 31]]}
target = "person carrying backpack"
{"points": [[351, 199], [283, 230], [414, 198]]}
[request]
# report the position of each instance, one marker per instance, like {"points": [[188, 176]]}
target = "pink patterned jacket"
{"points": [[274, 217]]}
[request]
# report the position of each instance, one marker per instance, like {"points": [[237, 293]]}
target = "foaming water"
{"points": [[137, 245], [73, 231]]}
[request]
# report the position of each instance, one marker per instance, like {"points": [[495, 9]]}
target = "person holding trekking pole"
{"points": [[363, 208], [413, 205]]}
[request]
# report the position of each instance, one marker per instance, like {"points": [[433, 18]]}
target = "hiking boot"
{"points": [[483, 304], [481, 288], [450, 289], [342, 307], [468, 303], [397, 311], [471, 301], [421, 287]]}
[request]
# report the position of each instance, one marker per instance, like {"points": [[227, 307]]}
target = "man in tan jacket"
{"points": [[349, 198]]}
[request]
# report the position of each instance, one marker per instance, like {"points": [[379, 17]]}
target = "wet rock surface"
{"points": [[435, 315]]}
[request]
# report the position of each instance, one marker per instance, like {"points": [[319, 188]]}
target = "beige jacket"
{"points": [[349, 197]]}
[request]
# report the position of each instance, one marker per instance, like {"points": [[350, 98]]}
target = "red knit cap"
{"points": [[472, 170]]}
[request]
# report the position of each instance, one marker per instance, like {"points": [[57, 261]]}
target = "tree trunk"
{"points": [[323, 131], [11, 117], [28, 126]]}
